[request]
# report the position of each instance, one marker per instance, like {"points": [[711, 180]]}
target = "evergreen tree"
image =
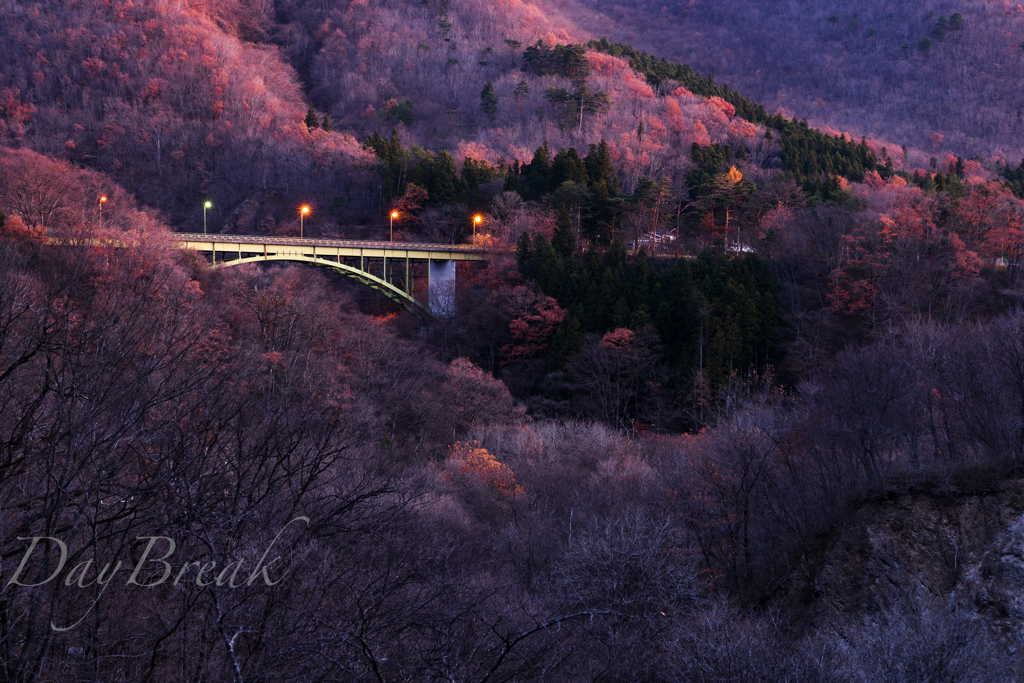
{"points": [[538, 174], [326, 125], [512, 179], [489, 101], [567, 166], [521, 91], [564, 240], [524, 251], [403, 112], [806, 153], [445, 184], [577, 103], [312, 123], [395, 145], [600, 170], [566, 343]]}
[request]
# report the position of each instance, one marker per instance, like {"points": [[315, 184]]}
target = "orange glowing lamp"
{"points": [[303, 212]]}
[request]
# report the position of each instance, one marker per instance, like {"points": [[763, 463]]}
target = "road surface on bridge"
{"points": [[425, 247]]}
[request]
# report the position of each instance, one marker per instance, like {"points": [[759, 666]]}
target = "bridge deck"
{"points": [[260, 244]]}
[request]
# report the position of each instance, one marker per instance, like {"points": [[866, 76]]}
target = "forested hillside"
{"points": [[744, 342], [422, 525], [941, 76]]}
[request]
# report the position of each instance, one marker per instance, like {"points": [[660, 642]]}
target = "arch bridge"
{"points": [[391, 268]]}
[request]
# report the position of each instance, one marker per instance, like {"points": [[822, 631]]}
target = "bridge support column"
{"points": [[441, 286]]}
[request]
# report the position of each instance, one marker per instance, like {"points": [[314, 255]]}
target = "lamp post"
{"points": [[206, 206], [103, 200], [477, 219], [394, 215], [302, 214]]}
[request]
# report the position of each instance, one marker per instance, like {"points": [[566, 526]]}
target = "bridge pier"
{"points": [[441, 287]]}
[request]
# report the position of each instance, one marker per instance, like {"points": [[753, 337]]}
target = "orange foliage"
{"points": [[675, 116], [700, 134], [14, 115], [873, 179], [601, 63], [723, 106], [15, 228], [743, 128], [384, 319], [469, 461]]}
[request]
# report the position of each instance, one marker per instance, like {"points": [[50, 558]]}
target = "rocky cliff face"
{"points": [[935, 554]]}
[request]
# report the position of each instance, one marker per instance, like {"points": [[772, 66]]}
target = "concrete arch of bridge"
{"points": [[397, 295]]}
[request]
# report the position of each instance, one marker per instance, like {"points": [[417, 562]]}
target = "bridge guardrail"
{"points": [[307, 241]]}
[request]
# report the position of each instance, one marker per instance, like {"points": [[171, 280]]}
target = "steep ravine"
{"points": [[923, 551]]}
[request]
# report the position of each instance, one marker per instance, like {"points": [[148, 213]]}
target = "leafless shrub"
{"points": [[723, 643], [632, 564], [911, 642]]}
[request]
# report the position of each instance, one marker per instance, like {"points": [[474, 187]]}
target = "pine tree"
{"points": [[403, 112], [312, 123], [522, 90], [599, 166], [489, 101], [445, 184], [326, 125], [564, 240], [567, 342], [567, 165], [524, 251], [538, 173]]}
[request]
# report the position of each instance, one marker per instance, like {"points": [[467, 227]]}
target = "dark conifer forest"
{"points": [[731, 389]]}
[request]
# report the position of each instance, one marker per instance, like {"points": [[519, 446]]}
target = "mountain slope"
{"points": [[903, 71]]}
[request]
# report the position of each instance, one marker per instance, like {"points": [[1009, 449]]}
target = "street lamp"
{"points": [[477, 219], [394, 215], [206, 206], [302, 214], [103, 200]]}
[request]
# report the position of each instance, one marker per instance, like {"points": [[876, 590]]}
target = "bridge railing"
{"points": [[371, 244]]}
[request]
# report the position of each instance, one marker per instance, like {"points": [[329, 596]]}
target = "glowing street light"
{"points": [[477, 220], [103, 200], [394, 215], [206, 206], [303, 212]]}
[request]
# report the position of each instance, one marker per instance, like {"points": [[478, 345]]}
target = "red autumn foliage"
{"points": [[535, 319]]}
